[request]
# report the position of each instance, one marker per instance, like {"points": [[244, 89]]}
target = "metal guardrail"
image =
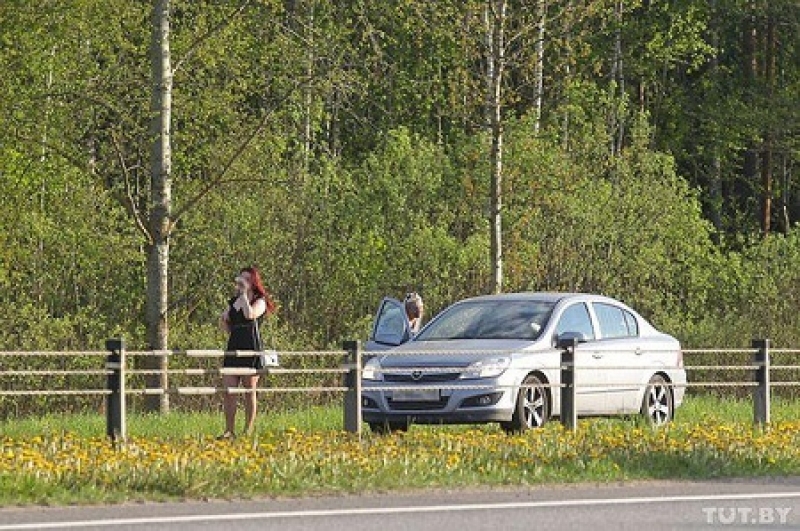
{"points": [[350, 357]]}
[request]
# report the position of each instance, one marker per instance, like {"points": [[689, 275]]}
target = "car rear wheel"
{"points": [[532, 409], [384, 428], [657, 406]]}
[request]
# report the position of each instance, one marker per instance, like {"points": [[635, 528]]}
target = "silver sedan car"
{"points": [[494, 359]]}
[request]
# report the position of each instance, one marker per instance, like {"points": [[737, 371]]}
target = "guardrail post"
{"points": [[569, 418], [115, 384], [761, 392], [352, 397]]}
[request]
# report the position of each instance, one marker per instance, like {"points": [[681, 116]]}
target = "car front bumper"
{"points": [[454, 402]]}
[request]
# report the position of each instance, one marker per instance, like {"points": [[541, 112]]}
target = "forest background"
{"points": [[643, 149]]}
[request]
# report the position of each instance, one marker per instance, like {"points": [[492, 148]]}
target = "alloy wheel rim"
{"points": [[533, 407], [658, 404]]}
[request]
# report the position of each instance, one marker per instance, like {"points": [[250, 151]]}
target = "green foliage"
{"points": [[755, 294], [69, 259], [630, 227], [341, 148]]}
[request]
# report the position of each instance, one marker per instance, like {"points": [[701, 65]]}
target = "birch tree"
{"points": [[160, 212], [541, 12], [495, 17]]}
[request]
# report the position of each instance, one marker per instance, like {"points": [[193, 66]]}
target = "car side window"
{"points": [[576, 319], [633, 324], [612, 321]]}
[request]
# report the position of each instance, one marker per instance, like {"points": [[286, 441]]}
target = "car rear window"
{"points": [[615, 322]]}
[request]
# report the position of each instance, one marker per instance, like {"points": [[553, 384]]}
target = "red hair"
{"points": [[258, 288]]}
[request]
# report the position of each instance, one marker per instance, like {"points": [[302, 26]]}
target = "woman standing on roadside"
{"points": [[240, 321]]}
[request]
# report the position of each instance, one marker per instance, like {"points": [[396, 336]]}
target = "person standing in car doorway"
{"points": [[414, 311]]}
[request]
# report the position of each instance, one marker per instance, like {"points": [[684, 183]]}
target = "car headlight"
{"points": [[372, 370], [489, 368]]}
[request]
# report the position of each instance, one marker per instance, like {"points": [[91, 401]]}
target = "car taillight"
{"points": [[680, 358]]}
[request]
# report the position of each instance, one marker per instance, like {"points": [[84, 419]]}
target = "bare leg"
{"points": [[230, 401], [250, 402]]}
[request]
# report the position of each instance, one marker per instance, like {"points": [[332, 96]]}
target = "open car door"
{"points": [[391, 327]]}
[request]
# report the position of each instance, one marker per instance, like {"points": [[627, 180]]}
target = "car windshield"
{"points": [[490, 319]]}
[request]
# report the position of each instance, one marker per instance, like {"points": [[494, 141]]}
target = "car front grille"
{"points": [[417, 405], [429, 377]]}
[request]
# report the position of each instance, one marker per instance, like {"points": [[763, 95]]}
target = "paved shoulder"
{"points": [[730, 504]]}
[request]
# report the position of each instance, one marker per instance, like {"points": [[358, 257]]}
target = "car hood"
{"points": [[450, 353]]}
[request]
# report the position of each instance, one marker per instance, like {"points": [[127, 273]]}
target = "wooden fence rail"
{"points": [[350, 368]]}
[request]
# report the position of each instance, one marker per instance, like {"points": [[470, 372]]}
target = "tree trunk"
{"points": [[541, 14], [496, 18], [617, 76], [715, 178], [766, 152], [750, 162], [307, 95], [641, 86], [38, 287], [567, 17], [766, 186], [160, 213], [786, 223]]}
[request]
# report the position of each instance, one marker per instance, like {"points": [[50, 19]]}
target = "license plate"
{"points": [[416, 395]]}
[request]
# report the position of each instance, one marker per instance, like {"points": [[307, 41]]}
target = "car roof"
{"points": [[545, 296]]}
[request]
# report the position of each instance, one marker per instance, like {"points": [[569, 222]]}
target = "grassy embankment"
{"points": [[65, 459]]}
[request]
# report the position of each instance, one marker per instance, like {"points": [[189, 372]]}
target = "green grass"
{"points": [[171, 426], [328, 418], [66, 459]]}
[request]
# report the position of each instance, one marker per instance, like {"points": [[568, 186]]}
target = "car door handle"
{"points": [[638, 351], [597, 355]]}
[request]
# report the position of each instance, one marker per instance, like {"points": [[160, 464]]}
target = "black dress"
{"points": [[244, 336]]}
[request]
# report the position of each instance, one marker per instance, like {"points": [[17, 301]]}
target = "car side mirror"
{"points": [[567, 337]]}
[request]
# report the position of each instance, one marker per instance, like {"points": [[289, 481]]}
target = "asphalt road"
{"points": [[718, 504]]}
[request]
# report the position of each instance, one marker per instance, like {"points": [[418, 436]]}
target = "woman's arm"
{"points": [[224, 322], [253, 310]]}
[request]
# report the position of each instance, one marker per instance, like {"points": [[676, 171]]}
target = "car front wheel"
{"points": [[532, 408], [657, 406]]}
